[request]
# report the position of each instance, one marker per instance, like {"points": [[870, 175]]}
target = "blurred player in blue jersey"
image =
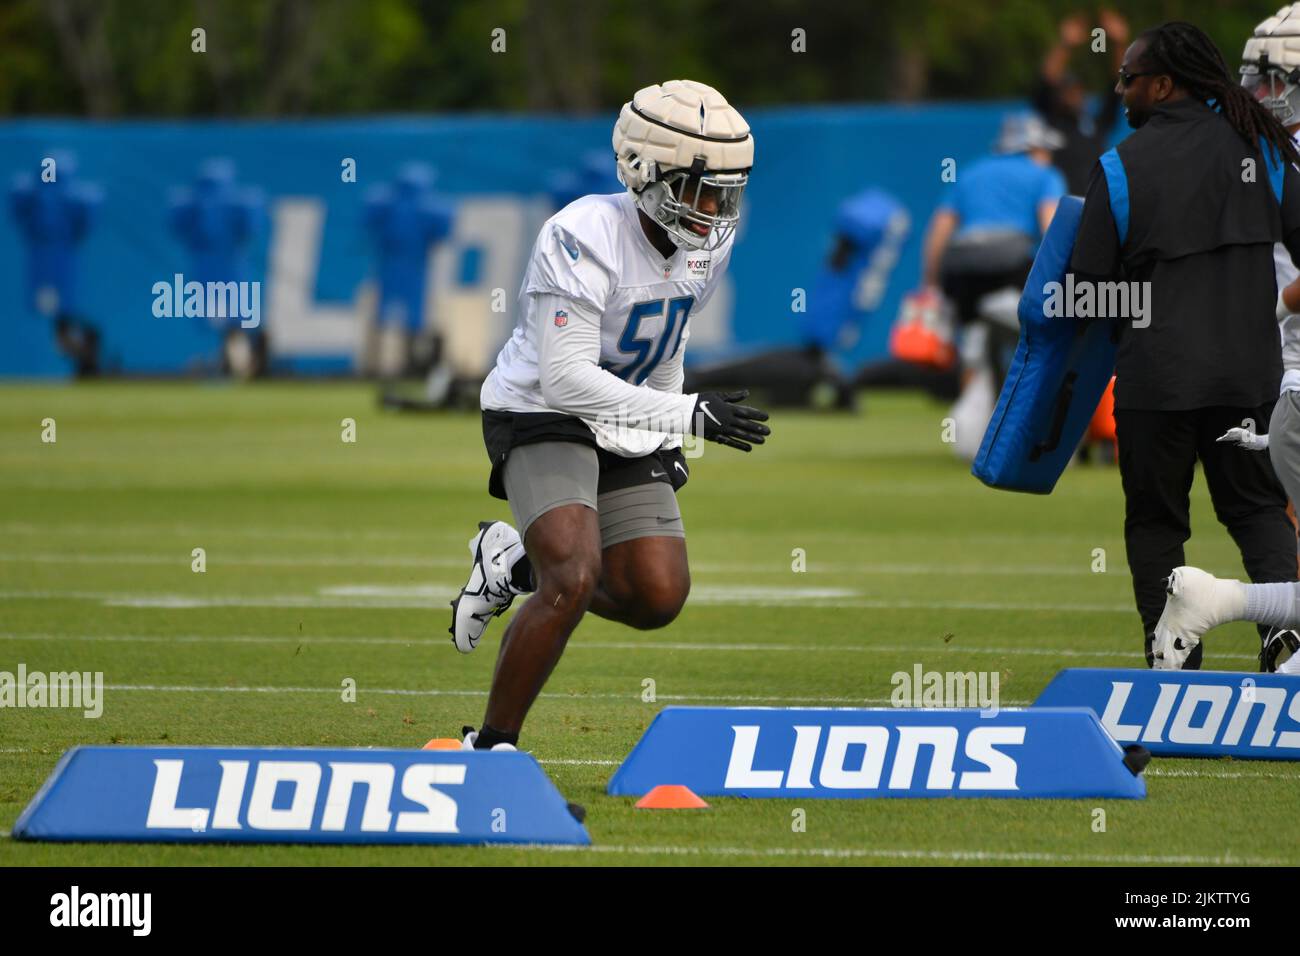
{"points": [[983, 235], [978, 251]]}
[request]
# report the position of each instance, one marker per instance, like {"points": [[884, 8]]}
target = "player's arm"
{"points": [[1050, 198], [943, 224], [573, 383]]}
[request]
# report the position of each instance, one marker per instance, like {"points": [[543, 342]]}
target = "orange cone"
{"points": [[442, 743], [671, 796]]}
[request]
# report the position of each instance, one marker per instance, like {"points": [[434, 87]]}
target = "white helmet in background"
{"points": [[1270, 64], [683, 133], [1022, 132]]}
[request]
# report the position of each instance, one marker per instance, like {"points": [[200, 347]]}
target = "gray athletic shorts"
{"points": [[1284, 443], [546, 475]]}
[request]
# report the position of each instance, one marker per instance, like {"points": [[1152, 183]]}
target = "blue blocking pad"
{"points": [[1188, 713], [878, 752], [299, 795], [1059, 373]]}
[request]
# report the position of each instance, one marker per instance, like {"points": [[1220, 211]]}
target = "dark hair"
{"points": [[1195, 64]]}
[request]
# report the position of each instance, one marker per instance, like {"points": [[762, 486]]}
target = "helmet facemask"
{"points": [[698, 209], [1275, 88]]}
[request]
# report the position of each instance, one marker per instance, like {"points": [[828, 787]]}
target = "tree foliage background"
{"points": [[105, 58]]}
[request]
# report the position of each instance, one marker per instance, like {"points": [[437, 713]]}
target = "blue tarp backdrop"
{"points": [[314, 252]]}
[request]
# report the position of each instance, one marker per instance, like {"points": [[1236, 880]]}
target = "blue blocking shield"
{"points": [[1188, 713], [877, 752], [267, 795], [1059, 373]]}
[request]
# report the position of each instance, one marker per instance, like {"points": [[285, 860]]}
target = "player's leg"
{"points": [[552, 489], [1281, 647], [643, 583], [1249, 500], [644, 579], [564, 548], [1157, 457], [1198, 601]]}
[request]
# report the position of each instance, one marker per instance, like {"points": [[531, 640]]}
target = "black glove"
{"points": [[674, 463], [719, 417]]}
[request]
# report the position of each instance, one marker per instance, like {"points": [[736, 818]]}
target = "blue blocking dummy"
{"points": [[1059, 374]]}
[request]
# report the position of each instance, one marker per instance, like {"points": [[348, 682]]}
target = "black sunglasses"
{"points": [[1126, 78]]}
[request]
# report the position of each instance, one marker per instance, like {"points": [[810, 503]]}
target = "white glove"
{"points": [[1245, 438]]}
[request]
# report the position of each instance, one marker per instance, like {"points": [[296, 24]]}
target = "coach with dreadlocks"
{"points": [[1191, 204]]}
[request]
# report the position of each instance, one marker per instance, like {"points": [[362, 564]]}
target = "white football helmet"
{"points": [[1270, 64], [685, 153]]}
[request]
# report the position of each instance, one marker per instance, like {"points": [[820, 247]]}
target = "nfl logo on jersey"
{"points": [[561, 318]]}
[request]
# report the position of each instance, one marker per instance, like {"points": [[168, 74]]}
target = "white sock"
{"points": [[1291, 665], [1273, 604]]}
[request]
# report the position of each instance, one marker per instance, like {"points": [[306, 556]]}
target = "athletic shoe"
{"points": [[471, 735], [1278, 653], [488, 592], [1196, 602]]}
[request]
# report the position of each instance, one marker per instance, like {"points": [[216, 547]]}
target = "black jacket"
{"points": [[1201, 215]]}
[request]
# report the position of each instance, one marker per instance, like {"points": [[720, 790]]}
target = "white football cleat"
{"points": [[1196, 602], [488, 592], [472, 735], [1280, 653]]}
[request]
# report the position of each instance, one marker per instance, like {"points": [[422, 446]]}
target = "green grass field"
{"points": [[328, 561]]}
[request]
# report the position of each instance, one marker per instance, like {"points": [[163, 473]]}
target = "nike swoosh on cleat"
{"points": [[658, 474], [680, 467]]}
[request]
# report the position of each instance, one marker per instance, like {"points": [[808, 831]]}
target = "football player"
{"points": [[1196, 600], [584, 416]]}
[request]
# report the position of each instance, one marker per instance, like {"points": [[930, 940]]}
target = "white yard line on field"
{"points": [[559, 762], [182, 559], [630, 696], [719, 647], [702, 595], [779, 566], [224, 531], [424, 536]]}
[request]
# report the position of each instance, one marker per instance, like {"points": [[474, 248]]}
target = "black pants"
{"points": [[1157, 455]]}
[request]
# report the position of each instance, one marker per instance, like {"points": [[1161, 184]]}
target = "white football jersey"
{"points": [[594, 276]]}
